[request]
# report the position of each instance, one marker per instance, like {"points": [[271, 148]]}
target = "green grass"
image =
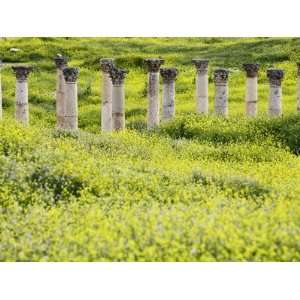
{"points": [[196, 189]]}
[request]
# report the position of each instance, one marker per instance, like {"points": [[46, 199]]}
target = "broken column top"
{"points": [[106, 64], [153, 64], [70, 74], [22, 72], [168, 74], [60, 61], [221, 75], [117, 75], [201, 65], [275, 76], [251, 69]]}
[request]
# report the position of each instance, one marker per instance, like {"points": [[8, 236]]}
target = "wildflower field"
{"points": [[195, 189]]}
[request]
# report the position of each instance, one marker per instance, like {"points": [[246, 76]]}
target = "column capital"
{"points": [[70, 74], [22, 72], [106, 64], [251, 69], [60, 61], [221, 76], [168, 74], [117, 75], [275, 76], [298, 66], [201, 65], [154, 64]]}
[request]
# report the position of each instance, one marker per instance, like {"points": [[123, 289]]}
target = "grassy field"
{"points": [[196, 189]]}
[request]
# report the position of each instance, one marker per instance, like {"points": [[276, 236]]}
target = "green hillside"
{"points": [[196, 189]]}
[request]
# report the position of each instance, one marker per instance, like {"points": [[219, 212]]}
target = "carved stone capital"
{"points": [[221, 76], [70, 74], [106, 64], [275, 76], [168, 74], [117, 75], [201, 65], [60, 61], [22, 72], [251, 69], [153, 64], [298, 66]]}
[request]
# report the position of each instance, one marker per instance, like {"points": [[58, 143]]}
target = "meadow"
{"points": [[195, 189]]}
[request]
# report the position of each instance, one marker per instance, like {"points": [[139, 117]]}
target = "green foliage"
{"points": [[195, 189]]}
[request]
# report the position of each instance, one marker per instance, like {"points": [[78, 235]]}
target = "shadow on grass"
{"points": [[284, 131]]}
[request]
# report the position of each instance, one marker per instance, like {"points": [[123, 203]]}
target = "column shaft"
{"points": [[275, 100], [251, 96], [71, 110], [153, 96], [221, 99], [118, 107], [275, 78], [60, 99], [168, 100], [22, 111], [106, 107], [202, 93], [153, 65]]}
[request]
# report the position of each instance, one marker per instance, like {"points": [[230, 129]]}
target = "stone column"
{"points": [[251, 89], [22, 110], [201, 86], [71, 99], [168, 77], [1, 109], [118, 98], [106, 65], [153, 65], [298, 87], [221, 93], [61, 63], [275, 77]]}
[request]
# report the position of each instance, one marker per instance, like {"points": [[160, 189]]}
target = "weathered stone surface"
{"points": [[118, 107], [71, 106], [251, 69], [70, 74], [60, 61], [221, 92], [168, 99], [107, 64], [221, 76], [251, 96], [117, 76], [153, 64], [22, 72], [106, 103], [201, 65], [153, 100], [168, 74], [275, 76], [60, 98]]}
